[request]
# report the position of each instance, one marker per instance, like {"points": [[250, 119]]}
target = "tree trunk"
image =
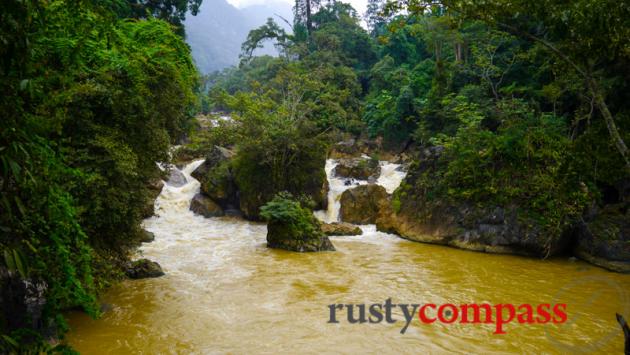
{"points": [[610, 121], [309, 25], [593, 88], [626, 332]]}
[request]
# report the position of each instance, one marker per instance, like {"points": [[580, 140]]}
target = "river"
{"points": [[225, 292]]}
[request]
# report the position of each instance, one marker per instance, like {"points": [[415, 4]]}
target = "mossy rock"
{"points": [[340, 228], [205, 206], [604, 239], [293, 227], [359, 168], [219, 185], [143, 268], [285, 236], [361, 204]]}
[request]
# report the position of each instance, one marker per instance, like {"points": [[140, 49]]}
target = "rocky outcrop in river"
{"points": [[603, 238], [217, 178], [340, 228], [358, 168], [361, 204], [205, 206], [143, 268], [417, 216], [283, 236]]}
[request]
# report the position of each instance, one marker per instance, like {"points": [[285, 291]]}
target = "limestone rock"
{"points": [[283, 236], [147, 237], [176, 178], [340, 228], [361, 204], [203, 205], [358, 168], [143, 268], [604, 239]]}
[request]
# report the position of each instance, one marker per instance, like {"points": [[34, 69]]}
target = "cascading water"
{"points": [[225, 292], [390, 178]]}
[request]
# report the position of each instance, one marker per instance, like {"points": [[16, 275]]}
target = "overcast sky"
{"points": [[359, 5]]}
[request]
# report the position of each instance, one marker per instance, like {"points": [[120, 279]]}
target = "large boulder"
{"points": [[154, 187], [345, 149], [358, 168], [216, 156], [143, 268], [220, 186], [22, 303], [603, 239], [293, 227], [284, 236], [146, 237], [205, 206], [217, 179], [415, 215], [361, 204], [340, 228], [176, 178], [306, 179]]}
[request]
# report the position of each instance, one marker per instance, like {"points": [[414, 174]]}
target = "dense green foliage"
{"points": [[527, 99], [278, 149], [286, 209], [89, 102]]}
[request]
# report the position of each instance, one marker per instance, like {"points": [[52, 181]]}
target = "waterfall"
{"points": [[390, 178]]}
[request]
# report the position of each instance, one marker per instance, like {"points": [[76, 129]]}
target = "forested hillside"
{"points": [[216, 32], [93, 94]]}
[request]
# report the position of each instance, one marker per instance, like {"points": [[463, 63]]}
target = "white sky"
{"points": [[359, 5]]}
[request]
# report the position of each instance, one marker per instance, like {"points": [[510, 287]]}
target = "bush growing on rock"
{"points": [[292, 226]]}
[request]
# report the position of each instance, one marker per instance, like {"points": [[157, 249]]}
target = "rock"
{"points": [[604, 239], [216, 178], [293, 227], [220, 186], [216, 156], [22, 303], [345, 149], [156, 185], [203, 205], [146, 237], [413, 215], [154, 188], [340, 228], [143, 268], [361, 204], [183, 155], [283, 236], [358, 168], [176, 178]]}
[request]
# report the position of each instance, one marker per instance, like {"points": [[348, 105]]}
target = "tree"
{"points": [[268, 31], [571, 31], [172, 11]]}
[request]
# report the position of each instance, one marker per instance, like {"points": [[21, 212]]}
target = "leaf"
{"points": [[20, 205], [19, 263], [30, 246], [24, 84], [10, 341], [8, 260]]}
